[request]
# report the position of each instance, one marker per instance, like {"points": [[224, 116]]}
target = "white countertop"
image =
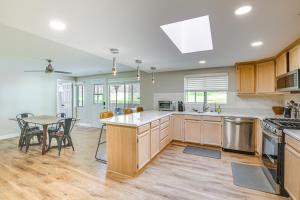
{"points": [[293, 133], [139, 119], [136, 119], [260, 116]]}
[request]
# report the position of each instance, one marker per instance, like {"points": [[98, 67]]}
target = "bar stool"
{"points": [[139, 109], [103, 115], [127, 111]]}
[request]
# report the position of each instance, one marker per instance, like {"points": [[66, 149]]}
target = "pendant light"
{"points": [[153, 69], [114, 68], [138, 72]]}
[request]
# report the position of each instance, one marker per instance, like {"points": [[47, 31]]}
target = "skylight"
{"points": [[191, 35]]}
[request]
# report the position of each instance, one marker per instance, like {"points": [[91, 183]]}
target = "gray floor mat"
{"points": [[199, 151], [251, 177]]}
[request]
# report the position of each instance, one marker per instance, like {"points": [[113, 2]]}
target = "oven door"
{"points": [[272, 157]]}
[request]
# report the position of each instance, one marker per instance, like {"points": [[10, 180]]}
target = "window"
{"points": [[98, 93], [80, 95], [206, 88], [124, 95]]}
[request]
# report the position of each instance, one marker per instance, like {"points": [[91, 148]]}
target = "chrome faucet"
{"points": [[205, 107]]}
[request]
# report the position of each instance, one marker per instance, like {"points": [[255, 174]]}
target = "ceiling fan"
{"points": [[49, 69]]}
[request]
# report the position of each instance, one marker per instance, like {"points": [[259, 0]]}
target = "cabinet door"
{"points": [[265, 77], [258, 137], [143, 149], [281, 65], [177, 126], [192, 130], [245, 78], [295, 58], [291, 172], [154, 141], [211, 133]]}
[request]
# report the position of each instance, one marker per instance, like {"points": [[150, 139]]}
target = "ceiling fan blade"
{"points": [[62, 72], [34, 71]]}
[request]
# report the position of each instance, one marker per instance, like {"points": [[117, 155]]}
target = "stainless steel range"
{"points": [[273, 149]]}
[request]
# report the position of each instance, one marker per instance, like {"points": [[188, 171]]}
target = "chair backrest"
{"points": [[104, 115], [24, 115], [61, 115], [68, 125], [139, 109], [127, 111], [22, 124]]}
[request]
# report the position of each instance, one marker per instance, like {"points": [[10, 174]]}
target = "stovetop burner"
{"points": [[283, 123]]}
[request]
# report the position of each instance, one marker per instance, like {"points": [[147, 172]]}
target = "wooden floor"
{"points": [[76, 175]]}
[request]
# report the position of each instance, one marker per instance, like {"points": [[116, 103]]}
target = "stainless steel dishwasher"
{"points": [[238, 134]]}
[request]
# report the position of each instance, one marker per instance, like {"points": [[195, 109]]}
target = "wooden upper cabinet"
{"points": [[281, 64], [294, 58], [265, 77], [245, 79]]}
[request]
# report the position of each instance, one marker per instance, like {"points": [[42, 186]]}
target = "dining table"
{"points": [[45, 121]]}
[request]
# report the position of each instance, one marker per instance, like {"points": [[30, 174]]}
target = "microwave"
{"points": [[166, 106], [289, 82]]}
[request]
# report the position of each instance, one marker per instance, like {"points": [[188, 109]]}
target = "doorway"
{"points": [[65, 97]]}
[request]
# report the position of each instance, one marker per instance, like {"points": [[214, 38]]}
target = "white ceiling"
{"points": [[133, 26]]}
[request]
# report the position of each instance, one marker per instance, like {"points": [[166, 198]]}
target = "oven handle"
{"points": [[275, 137]]}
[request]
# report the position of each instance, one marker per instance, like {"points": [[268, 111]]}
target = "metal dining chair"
{"points": [[64, 128], [139, 109], [26, 115], [103, 115], [54, 128], [27, 134], [127, 111]]}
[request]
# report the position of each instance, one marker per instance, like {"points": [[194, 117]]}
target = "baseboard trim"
{"points": [[88, 125], [9, 136]]}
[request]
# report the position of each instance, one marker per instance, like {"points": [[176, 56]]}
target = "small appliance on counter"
{"points": [[166, 106], [287, 112], [181, 107]]}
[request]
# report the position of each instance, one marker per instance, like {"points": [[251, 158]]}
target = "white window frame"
{"points": [[205, 91]]}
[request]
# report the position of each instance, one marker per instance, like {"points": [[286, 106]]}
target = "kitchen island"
{"points": [[134, 140]]}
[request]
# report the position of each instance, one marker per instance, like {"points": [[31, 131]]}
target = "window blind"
{"points": [[207, 82]]}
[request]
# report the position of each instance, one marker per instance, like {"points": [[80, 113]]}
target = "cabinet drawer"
{"points": [[164, 133], [292, 142], [154, 123], [164, 119], [193, 117], [164, 143], [143, 128], [212, 118], [164, 125]]}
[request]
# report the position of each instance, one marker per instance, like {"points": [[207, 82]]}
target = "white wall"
{"points": [[170, 86], [24, 92]]}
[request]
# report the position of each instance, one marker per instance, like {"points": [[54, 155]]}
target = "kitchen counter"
{"points": [[260, 116], [293, 133], [136, 119], [139, 119]]}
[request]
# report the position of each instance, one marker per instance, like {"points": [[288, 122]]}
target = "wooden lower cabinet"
{"points": [[292, 168], [144, 154], [258, 136], [155, 139], [192, 130], [177, 127], [211, 133]]}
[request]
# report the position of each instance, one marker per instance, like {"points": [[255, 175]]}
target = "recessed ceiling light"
{"points": [[256, 44], [57, 25], [191, 35], [243, 10], [202, 61]]}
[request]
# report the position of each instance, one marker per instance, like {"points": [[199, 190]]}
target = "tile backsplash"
{"points": [[235, 103]]}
